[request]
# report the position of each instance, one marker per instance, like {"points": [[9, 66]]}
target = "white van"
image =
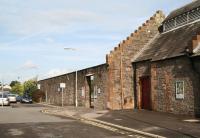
{"points": [[4, 99], [12, 98]]}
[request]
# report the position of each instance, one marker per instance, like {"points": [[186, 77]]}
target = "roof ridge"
{"points": [[183, 9]]}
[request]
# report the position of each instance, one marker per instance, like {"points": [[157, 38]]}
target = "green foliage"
{"points": [[13, 83], [30, 87], [18, 88]]}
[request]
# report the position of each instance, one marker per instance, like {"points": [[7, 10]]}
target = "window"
{"points": [[179, 89]]}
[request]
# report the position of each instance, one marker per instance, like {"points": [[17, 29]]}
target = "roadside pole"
{"points": [[76, 89], [76, 80], [2, 93]]}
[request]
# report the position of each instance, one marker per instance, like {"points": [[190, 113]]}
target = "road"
{"points": [[26, 121]]}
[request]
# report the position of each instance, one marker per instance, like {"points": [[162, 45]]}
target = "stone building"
{"points": [[167, 70], [91, 88]]}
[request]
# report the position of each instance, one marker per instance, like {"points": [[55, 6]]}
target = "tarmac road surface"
{"points": [[26, 121]]}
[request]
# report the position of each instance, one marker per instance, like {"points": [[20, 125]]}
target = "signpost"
{"points": [[62, 86]]}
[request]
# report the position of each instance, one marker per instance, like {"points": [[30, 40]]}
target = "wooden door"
{"points": [[146, 92]]}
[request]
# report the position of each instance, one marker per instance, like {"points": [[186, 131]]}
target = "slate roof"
{"points": [[170, 44], [184, 9]]}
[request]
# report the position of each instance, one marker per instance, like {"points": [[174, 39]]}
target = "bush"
{"points": [[38, 96]]}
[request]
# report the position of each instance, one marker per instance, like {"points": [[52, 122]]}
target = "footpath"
{"points": [[141, 121]]}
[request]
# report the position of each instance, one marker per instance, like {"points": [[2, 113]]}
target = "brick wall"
{"points": [[120, 66], [99, 72], [164, 75]]}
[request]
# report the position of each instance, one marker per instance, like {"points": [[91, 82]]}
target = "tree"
{"points": [[18, 88], [30, 87], [13, 83]]}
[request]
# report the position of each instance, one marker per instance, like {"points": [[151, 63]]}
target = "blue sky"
{"points": [[34, 33]]}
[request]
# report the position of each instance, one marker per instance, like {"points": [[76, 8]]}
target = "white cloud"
{"points": [[29, 65], [32, 22]]}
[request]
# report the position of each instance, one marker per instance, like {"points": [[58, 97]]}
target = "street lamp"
{"points": [[68, 48], [76, 81]]}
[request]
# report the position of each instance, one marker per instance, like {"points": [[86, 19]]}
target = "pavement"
{"points": [[161, 124]]}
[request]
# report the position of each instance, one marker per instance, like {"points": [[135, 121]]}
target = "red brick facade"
{"points": [[120, 69]]}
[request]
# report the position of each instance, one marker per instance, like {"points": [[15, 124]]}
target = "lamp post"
{"points": [[2, 92], [76, 102], [76, 80]]}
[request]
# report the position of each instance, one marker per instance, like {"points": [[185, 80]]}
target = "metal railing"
{"points": [[181, 20]]}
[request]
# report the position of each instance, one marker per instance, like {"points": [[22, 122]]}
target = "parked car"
{"points": [[18, 98], [26, 100], [12, 98], [4, 99]]}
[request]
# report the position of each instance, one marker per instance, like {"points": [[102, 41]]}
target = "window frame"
{"points": [[180, 96]]}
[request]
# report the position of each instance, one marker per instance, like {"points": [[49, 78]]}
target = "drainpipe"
{"points": [[135, 85]]}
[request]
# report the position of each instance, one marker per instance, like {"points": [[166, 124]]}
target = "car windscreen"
{"points": [[4, 96], [11, 95]]}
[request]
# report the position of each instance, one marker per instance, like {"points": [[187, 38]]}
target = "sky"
{"points": [[34, 33]]}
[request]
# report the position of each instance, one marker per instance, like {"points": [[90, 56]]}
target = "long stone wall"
{"points": [[99, 73], [120, 65]]}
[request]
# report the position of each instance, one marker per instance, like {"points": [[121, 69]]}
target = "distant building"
{"points": [[6, 87]]}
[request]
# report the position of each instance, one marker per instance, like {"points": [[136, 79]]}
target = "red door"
{"points": [[146, 93]]}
